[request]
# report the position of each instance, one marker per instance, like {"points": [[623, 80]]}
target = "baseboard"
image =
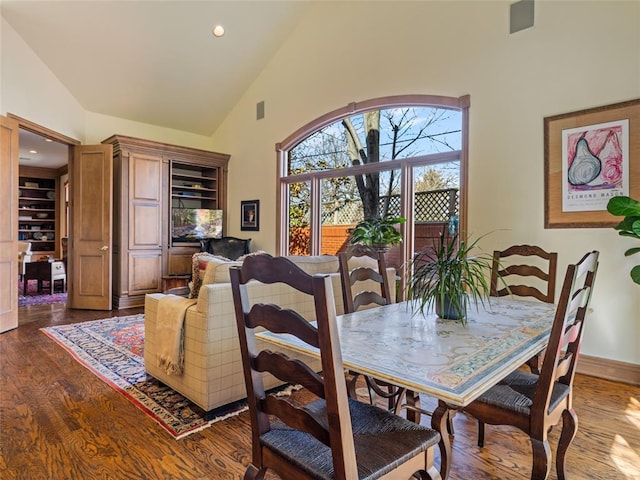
{"points": [[609, 369], [127, 301]]}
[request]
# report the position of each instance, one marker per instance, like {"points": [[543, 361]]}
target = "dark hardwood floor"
{"points": [[58, 421]]}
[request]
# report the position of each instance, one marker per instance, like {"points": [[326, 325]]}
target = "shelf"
{"points": [[193, 197], [35, 201], [188, 177], [193, 189]]}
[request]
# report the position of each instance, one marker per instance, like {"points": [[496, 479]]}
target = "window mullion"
{"points": [[316, 215]]}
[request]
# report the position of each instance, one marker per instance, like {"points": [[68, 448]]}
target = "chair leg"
{"points": [[252, 473], [481, 434], [541, 459], [569, 429], [431, 474]]}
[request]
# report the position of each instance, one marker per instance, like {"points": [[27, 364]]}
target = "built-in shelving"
{"points": [[37, 214], [194, 186], [150, 179]]}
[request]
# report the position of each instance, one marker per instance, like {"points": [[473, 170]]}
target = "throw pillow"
{"points": [[257, 252], [218, 272], [199, 265]]}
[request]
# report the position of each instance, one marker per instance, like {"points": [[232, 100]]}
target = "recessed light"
{"points": [[33, 151], [48, 140], [218, 31]]}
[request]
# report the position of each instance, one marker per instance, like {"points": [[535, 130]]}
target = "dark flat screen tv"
{"points": [[194, 224]]}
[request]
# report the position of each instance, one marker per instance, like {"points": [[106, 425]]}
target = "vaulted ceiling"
{"points": [[156, 62]]}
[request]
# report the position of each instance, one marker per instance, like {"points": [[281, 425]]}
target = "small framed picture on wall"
{"points": [[250, 215]]}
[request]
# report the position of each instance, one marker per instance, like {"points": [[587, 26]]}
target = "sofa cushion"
{"points": [[218, 271], [200, 262], [316, 264]]}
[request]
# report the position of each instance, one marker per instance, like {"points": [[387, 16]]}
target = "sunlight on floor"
{"points": [[622, 454], [625, 459], [633, 412]]}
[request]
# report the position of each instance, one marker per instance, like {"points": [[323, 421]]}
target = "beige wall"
{"points": [[29, 89], [99, 127], [578, 55]]}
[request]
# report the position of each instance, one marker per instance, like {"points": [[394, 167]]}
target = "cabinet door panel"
{"points": [[145, 208], [180, 260], [145, 177], [144, 226], [144, 268]]}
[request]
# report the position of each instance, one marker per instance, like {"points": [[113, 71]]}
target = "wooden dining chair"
{"points": [[330, 436], [355, 292], [535, 403], [365, 286], [539, 275]]}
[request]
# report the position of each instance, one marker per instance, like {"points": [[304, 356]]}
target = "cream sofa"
{"points": [[212, 374]]}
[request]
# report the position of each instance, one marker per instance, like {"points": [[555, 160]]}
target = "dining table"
{"points": [[414, 349]]}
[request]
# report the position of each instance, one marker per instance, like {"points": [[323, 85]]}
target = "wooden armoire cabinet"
{"points": [[143, 251]]}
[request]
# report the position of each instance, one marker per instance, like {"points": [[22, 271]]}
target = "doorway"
{"points": [[43, 201]]}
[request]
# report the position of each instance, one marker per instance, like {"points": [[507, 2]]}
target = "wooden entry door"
{"points": [[90, 239], [9, 222]]}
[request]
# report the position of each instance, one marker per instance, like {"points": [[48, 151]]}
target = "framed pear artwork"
{"points": [[591, 156]]}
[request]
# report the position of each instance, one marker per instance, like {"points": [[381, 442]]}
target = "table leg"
{"points": [[439, 422]]}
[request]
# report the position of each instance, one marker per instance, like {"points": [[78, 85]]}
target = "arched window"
{"points": [[393, 156]]}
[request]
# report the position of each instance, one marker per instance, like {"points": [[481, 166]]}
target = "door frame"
{"points": [[43, 131], [9, 213]]}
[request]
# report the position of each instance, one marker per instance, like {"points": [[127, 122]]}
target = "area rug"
{"points": [[113, 349], [34, 298]]}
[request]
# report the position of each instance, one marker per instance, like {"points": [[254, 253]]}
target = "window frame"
{"points": [[405, 166]]}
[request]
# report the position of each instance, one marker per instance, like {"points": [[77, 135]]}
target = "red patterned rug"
{"points": [[34, 298], [113, 349]]}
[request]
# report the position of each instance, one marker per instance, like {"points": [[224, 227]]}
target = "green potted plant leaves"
{"points": [[449, 277], [378, 233], [628, 208]]}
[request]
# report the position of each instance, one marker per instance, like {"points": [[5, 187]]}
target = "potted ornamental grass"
{"points": [[449, 277]]}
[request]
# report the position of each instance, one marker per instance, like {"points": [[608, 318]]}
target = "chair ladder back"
{"points": [[351, 277], [282, 320], [352, 302], [566, 332], [502, 273], [367, 298], [296, 417], [288, 370], [332, 425], [586, 272]]}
